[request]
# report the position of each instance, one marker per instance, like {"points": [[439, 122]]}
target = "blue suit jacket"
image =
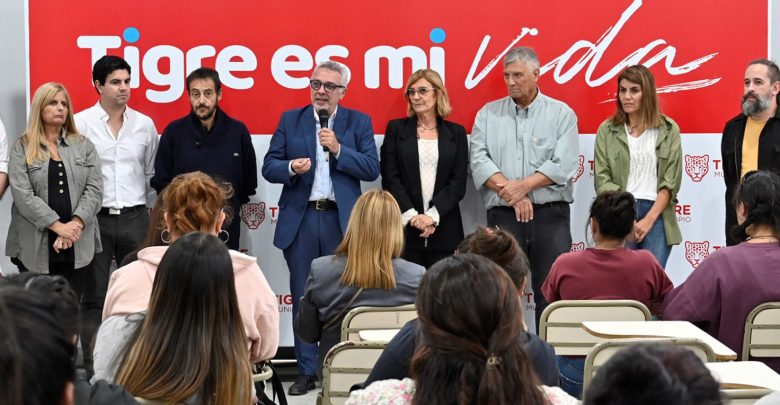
{"points": [[295, 138]]}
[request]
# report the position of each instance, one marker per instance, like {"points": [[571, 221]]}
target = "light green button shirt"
{"points": [[518, 142]]}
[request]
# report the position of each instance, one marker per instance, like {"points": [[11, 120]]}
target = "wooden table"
{"points": [[378, 335], [744, 375], [659, 329]]}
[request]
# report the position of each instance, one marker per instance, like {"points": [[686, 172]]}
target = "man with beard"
{"points": [[751, 140], [210, 141]]}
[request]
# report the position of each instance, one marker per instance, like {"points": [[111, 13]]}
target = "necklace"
{"points": [[426, 129]]}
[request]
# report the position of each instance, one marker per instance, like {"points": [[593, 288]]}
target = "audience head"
{"points": [[612, 215], [36, 354], [502, 248], [177, 353], [653, 374], [470, 347], [57, 292], [636, 93], [435, 96], [195, 202], [51, 106], [757, 201], [374, 236]]}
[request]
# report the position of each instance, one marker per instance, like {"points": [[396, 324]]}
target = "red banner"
{"points": [[265, 52]]}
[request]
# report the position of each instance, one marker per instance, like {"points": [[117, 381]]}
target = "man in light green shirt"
{"points": [[524, 153]]}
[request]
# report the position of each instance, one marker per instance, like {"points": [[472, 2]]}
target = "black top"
{"points": [[59, 201], [395, 360]]}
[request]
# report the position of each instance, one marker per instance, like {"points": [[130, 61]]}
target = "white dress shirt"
{"points": [[127, 159], [3, 150]]}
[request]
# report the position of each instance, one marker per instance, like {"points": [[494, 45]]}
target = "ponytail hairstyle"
{"points": [[471, 348], [500, 247], [758, 193], [614, 212]]}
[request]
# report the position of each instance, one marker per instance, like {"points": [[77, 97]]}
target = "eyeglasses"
{"points": [[329, 86], [422, 91]]}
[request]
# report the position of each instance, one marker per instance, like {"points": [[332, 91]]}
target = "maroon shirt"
{"points": [[599, 274], [727, 285]]}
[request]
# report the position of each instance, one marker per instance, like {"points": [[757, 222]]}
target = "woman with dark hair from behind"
{"points": [[61, 302], [653, 374], [36, 365], [720, 293], [173, 355], [470, 348], [502, 248], [608, 271]]}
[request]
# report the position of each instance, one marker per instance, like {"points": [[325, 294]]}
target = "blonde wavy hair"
{"points": [[34, 139], [375, 235]]}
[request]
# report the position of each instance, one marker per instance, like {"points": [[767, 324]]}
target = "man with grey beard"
{"points": [[751, 140]]}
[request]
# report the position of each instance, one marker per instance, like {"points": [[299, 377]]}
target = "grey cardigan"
{"points": [[325, 296], [31, 215]]}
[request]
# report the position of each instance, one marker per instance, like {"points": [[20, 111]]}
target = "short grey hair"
{"points": [[335, 67], [522, 54]]}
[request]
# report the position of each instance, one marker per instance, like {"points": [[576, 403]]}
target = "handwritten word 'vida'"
{"points": [[592, 57]]}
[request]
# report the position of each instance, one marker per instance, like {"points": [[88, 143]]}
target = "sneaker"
{"points": [[302, 385]]}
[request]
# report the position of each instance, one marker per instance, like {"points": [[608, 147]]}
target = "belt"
{"points": [[120, 211], [323, 205], [550, 204]]}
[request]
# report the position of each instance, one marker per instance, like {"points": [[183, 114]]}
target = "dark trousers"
{"points": [[119, 235], [233, 230], [319, 235], [425, 257], [75, 277], [542, 239]]}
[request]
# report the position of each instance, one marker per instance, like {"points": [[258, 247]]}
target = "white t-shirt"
{"points": [[643, 165]]}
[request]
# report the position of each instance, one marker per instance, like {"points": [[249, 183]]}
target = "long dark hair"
{"points": [[192, 339], [35, 351], [614, 212], [471, 347], [759, 193]]}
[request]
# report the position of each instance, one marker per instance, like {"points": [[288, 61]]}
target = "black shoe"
{"points": [[302, 385]]}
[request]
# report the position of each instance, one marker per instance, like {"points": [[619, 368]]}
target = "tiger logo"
{"points": [[697, 166], [253, 214], [695, 252], [576, 247], [580, 169]]}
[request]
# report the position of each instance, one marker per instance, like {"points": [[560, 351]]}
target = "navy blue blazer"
{"points": [[295, 138]]}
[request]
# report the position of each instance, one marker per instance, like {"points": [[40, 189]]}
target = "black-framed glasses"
{"points": [[329, 86], [422, 91]]}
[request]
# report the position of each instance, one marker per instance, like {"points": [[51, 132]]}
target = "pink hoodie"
{"points": [[131, 286]]}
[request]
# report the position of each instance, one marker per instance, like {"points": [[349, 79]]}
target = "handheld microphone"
{"points": [[323, 114]]}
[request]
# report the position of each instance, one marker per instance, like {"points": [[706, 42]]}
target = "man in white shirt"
{"points": [[126, 142], [3, 160]]}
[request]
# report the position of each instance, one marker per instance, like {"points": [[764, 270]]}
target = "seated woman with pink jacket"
{"points": [[196, 202]]}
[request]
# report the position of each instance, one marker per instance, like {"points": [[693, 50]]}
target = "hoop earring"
{"points": [[162, 236], [227, 235]]}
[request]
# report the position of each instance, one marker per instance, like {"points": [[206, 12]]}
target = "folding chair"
{"points": [[375, 318], [347, 364], [603, 351], [762, 332], [561, 322], [742, 396]]}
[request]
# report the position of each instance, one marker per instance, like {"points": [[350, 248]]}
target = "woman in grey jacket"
{"points": [[366, 270], [57, 188]]}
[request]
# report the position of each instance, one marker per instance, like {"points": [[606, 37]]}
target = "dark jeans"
{"points": [[655, 240], [425, 257], [543, 239], [119, 235], [572, 371]]}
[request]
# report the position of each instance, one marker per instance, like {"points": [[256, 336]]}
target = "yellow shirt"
{"points": [[750, 145]]}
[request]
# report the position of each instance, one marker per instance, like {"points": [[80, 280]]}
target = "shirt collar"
{"points": [[530, 109], [317, 116], [103, 115]]}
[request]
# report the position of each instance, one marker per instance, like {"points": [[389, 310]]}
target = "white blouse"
{"points": [[428, 151], [643, 165]]}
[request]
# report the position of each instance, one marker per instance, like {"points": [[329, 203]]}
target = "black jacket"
{"points": [[100, 393], [731, 153], [400, 164]]}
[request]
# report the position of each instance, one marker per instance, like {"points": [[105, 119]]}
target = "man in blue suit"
{"points": [[320, 187]]}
